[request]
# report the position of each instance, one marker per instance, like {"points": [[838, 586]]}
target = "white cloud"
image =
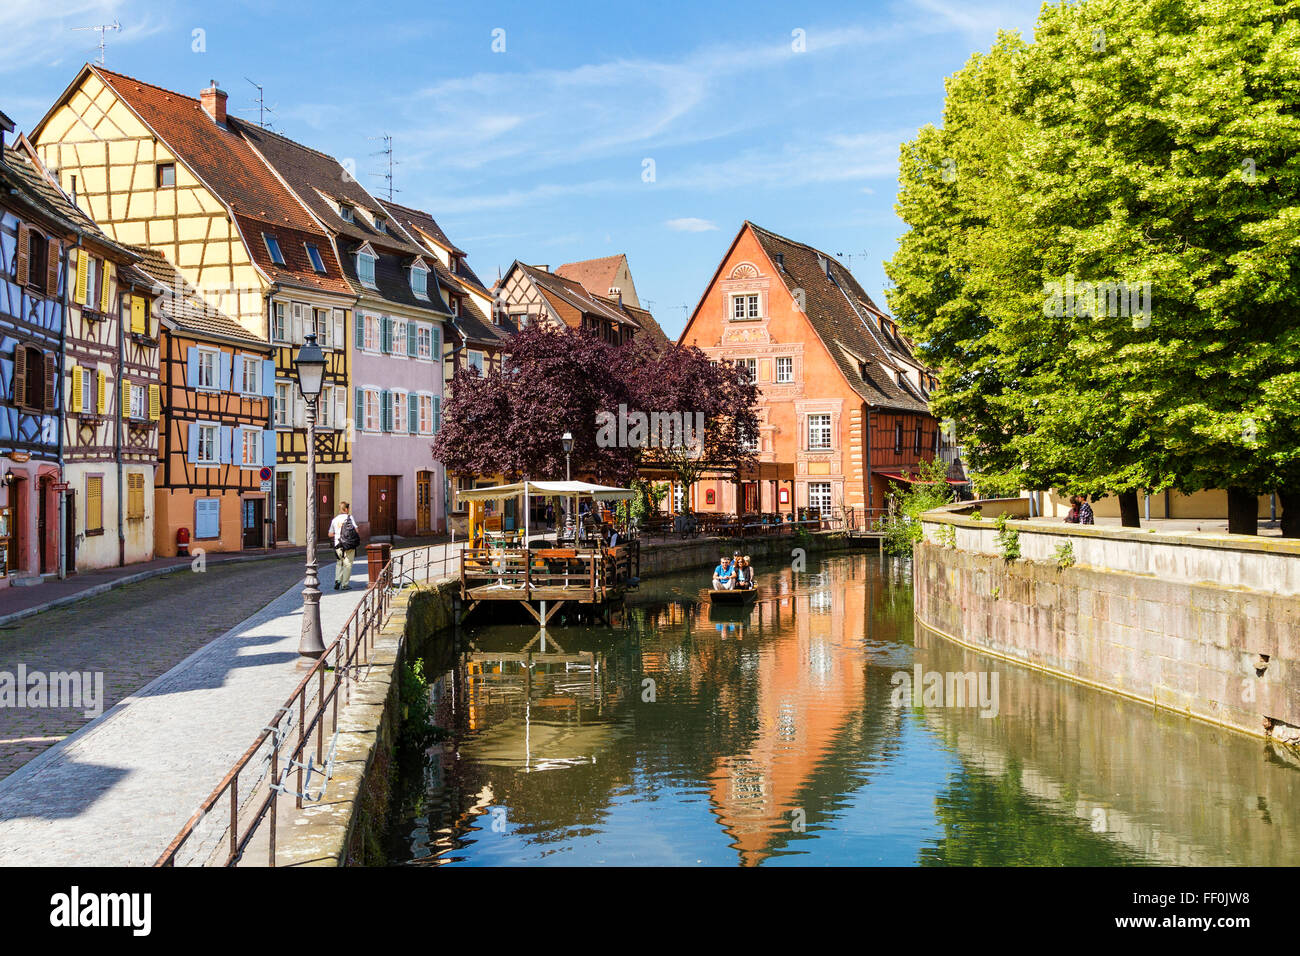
{"points": [[690, 224]]}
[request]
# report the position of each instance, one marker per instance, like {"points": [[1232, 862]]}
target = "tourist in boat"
{"points": [[745, 574], [724, 575]]}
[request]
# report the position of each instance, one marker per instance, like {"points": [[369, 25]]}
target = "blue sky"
{"points": [[538, 152]]}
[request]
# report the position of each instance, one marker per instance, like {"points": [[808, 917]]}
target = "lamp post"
{"points": [[309, 367], [566, 442]]}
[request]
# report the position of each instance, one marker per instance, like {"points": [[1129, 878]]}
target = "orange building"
{"points": [[844, 407]]}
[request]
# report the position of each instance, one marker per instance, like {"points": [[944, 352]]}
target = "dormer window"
{"points": [[420, 281], [381, 224], [345, 212], [366, 268], [273, 248], [314, 255]]}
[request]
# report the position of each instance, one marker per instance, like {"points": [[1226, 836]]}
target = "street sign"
{"points": [[61, 486], [266, 487], [265, 475]]}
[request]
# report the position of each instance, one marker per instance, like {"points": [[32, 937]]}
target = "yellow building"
{"points": [[177, 175]]}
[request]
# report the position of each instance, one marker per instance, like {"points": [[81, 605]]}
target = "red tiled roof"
{"points": [[224, 160], [596, 275]]}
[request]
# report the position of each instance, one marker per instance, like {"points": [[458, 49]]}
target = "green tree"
{"points": [[1133, 142]]}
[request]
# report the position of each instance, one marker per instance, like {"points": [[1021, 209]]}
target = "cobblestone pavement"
{"points": [[131, 634]]}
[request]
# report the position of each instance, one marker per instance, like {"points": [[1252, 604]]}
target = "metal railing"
{"points": [[293, 745]]}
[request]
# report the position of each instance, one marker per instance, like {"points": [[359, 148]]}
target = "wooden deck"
{"points": [[549, 577]]}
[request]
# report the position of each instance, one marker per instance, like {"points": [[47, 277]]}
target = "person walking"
{"points": [[346, 539]]}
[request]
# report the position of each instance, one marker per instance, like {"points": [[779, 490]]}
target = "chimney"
{"points": [[214, 103], [544, 267], [616, 293], [780, 261]]}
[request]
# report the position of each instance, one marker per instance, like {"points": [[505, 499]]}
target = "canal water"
{"points": [[787, 734]]}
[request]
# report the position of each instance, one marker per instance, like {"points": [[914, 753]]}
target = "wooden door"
{"points": [[70, 545], [383, 505], [423, 502], [254, 509], [282, 506], [43, 524], [326, 506]]}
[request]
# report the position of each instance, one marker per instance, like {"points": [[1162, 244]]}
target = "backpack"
{"points": [[349, 538]]}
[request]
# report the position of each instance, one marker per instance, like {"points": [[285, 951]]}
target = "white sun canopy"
{"points": [[564, 489]]}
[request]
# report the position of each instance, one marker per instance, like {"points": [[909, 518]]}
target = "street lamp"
{"points": [[566, 442], [309, 366]]}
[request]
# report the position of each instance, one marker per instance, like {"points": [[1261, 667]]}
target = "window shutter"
{"points": [[22, 254], [155, 403], [296, 333], [340, 406], [437, 413], [225, 380], [101, 392], [299, 410], [385, 335], [268, 448], [268, 378], [412, 413], [74, 403], [52, 267], [137, 315], [411, 348], [51, 382], [192, 366], [192, 445], [104, 289], [386, 411], [83, 262], [360, 421], [20, 375], [359, 328], [437, 343], [223, 444], [340, 323], [126, 398]]}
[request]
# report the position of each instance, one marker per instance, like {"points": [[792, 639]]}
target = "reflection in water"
{"points": [[770, 735]]}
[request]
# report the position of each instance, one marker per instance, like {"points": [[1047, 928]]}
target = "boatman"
{"points": [[724, 575]]}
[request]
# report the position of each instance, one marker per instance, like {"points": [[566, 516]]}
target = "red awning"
{"points": [[913, 480]]}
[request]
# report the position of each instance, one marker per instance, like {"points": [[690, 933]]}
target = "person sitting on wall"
{"points": [[724, 575], [1073, 516], [1085, 511]]}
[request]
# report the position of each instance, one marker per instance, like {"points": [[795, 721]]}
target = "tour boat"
{"points": [[738, 596]]}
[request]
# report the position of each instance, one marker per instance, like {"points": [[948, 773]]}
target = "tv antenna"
{"points": [[102, 28], [387, 140], [848, 257], [262, 108]]}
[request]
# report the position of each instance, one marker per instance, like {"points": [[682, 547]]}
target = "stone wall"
{"points": [[1207, 626]]}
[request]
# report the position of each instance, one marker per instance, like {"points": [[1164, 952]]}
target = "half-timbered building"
{"points": [[34, 239], [395, 349], [215, 437], [178, 175]]}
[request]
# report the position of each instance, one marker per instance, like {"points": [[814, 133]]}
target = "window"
{"points": [[135, 495], [898, 436], [918, 436], [426, 414], [94, 504], [37, 260], [207, 451], [166, 174], [250, 375], [744, 307], [738, 307], [345, 212], [453, 303], [784, 369], [279, 322], [400, 408], [366, 269], [381, 224], [317, 262], [83, 394], [207, 369], [34, 384], [819, 495], [273, 247], [753, 306], [251, 450], [371, 410], [475, 361], [324, 406], [372, 333], [420, 282], [281, 407], [400, 343], [750, 366], [819, 432], [137, 403], [424, 342], [322, 320]]}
